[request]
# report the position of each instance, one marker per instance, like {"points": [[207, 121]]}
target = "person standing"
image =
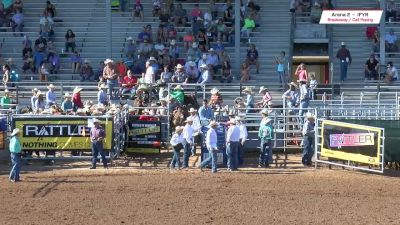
{"points": [[187, 142], [304, 98], [232, 144], [197, 136], [308, 139], [110, 74], [211, 144], [345, 60], [177, 145], [249, 103], [242, 140], [15, 150], [265, 133], [206, 113], [97, 135]]}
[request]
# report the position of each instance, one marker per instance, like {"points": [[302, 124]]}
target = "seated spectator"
{"points": [[229, 17], [144, 34], [196, 12], [137, 11], [38, 59], [218, 47], [202, 61], [203, 42], [164, 17], [316, 13], [76, 62], [391, 11], [86, 71], [40, 104], [244, 72], [222, 31], [157, 5], [70, 41], [66, 105], [291, 96], [50, 9], [40, 44], [26, 45], [180, 16], [44, 72], [162, 33], [249, 25], [213, 8], [390, 41], [145, 48], [102, 98], [226, 72], [130, 48], [28, 62], [369, 32], [99, 71], [205, 76], [206, 113], [179, 75], [216, 99], [166, 75], [391, 73], [194, 53], [192, 72], [18, 5], [213, 61], [17, 22], [174, 51], [51, 49], [255, 15], [46, 26], [224, 56], [198, 26], [129, 85], [252, 57], [171, 32], [55, 64], [375, 41], [188, 40], [178, 95], [121, 68], [159, 47], [165, 59], [371, 68]]}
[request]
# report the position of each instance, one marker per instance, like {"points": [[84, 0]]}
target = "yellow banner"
{"points": [[60, 134]]}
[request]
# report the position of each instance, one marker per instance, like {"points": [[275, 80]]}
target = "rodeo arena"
{"points": [[199, 112]]}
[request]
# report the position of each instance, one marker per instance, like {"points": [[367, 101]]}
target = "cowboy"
{"points": [[291, 95], [187, 141], [66, 105], [178, 94], [97, 135], [196, 129], [308, 139], [249, 103], [243, 138], [206, 113], [232, 144], [110, 74], [15, 150], [192, 72], [102, 95], [265, 133], [205, 76], [304, 97], [266, 97], [177, 145], [179, 75], [51, 98], [216, 98], [211, 144]]}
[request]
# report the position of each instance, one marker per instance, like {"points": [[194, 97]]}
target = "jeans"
{"points": [[18, 27], [16, 166], [373, 74], [69, 45], [212, 157], [232, 155], [97, 147], [265, 153], [186, 153], [241, 152], [281, 75], [175, 158], [303, 107], [308, 151], [113, 88], [343, 70], [126, 91]]}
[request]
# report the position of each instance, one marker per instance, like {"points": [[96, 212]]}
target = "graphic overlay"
{"points": [[60, 134], [143, 136], [352, 142], [358, 16]]}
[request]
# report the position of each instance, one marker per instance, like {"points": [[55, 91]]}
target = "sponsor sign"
{"points": [[59, 133], [143, 136], [358, 16], [352, 142]]}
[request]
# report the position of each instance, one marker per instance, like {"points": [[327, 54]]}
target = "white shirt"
{"points": [[176, 139], [196, 123], [233, 134], [211, 139], [188, 133], [243, 131], [393, 71], [149, 77]]}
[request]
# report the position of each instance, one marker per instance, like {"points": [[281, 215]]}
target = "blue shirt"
{"points": [[102, 97], [250, 101], [213, 59], [206, 113], [15, 145], [50, 97], [33, 100], [67, 106], [39, 104]]}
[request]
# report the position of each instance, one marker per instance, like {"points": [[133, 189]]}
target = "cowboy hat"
{"points": [[238, 118], [267, 120], [178, 129], [39, 93], [203, 66], [264, 112], [35, 90], [129, 38], [247, 90], [179, 66], [310, 115], [103, 86], [343, 43], [95, 120], [293, 84], [192, 110], [213, 123], [6, 91], [262, 88], [188, 120], [51, 86], [178, 87], [108, 61], [15, 132], [142, 87], [152, 58], [270, 103], [77, 90], [67, 95], [173, 42], [214, 91], [211, 50]]}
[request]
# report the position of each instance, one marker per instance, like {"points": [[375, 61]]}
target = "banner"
{"points": [[352, 142], [356, 16], [143, 136], [59, 134]]}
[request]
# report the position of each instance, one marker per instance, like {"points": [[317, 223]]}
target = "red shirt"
{"points": [[76, 99], [121, 69], [129, 81], [196, 12]]}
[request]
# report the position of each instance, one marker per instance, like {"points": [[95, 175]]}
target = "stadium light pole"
{"points": [[237, 38], [108, 29], [382, 33]]}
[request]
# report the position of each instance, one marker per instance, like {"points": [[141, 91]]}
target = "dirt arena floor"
{"points": [[156, 195]]}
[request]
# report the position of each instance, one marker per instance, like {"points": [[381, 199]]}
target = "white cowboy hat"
{"points": [[15, 132], [178, 87], [343, 43], [293, 84], [310, 115], [97, 112], [152, 58], [38, 93], [192, 64], [103, 86], [179, 66], [188, 120], [35, 90], [77, 90], [51, 86], [262, 88], [192, 110], [267, 120], [95, 120], [203, 66], [270, 103], [173, 42], [67, 95], [6, 91], [108, 61], [211, 50], [178, 129], [214, 91], [247, 90], [129, 38]]}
